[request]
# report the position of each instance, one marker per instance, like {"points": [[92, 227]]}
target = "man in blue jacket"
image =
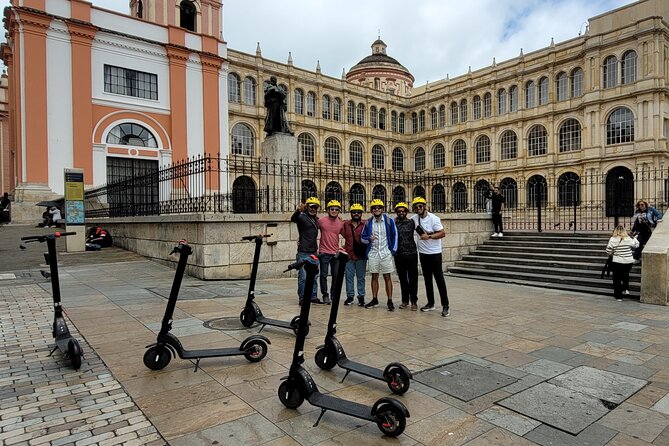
{"points": [[380, 236]]}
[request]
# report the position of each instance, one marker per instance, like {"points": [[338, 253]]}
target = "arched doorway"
{"points": [[619, 192], [244, 200]]}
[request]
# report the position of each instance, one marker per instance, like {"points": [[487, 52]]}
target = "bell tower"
{"points": [[197, 16]]}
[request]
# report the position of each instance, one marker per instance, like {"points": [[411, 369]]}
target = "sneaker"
{"points": [[361, 301], [316, 301], [500, 235], [372, 303], [348, 301], [403, 305], [391, 306], [626, 293], [618, 300], [414, 307], [326, 300], [494, 234], [445, 312], [427, 307]]}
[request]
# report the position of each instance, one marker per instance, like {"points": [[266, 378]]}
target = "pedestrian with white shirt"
{"points": [[380, 236], [621, 247], [430, 231]]}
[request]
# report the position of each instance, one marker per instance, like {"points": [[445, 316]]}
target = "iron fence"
{"points": [[571, 201]]}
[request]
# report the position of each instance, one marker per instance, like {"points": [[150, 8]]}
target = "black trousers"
{"points": [[497, 222], [407, 270], [642, 238], [432, 268], [621, 278]]}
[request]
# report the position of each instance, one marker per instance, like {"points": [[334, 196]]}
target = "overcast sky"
{"points": [[431, 38]]}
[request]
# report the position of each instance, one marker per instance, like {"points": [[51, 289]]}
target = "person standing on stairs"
{"points": [[497, 207], [621, 247]]}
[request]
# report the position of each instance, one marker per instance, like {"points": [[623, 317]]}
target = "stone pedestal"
{"points": [[282, 187], [280, 147], [26, 196], [76, 243]]}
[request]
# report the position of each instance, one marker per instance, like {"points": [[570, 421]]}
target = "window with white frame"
{"points": [[350, 112], [620, 126], [398, 160], [463, 110], [561, 86], [513, 98], [326, 107], [442, 116], [421, 121], [249, 97], [419, 159], [543, 91], [434, 119], [129, 82], [378, 157], [628, 68], [393, 121], [234, 90], [570, 136], [508, 145], [336, 109], [131, 134], [401, 122], [576, 83], [482, 146], [361, 114], [242, 140], [487, 105], [537, 141], [332, 152], [454, 113], [311, 104], [610, 72], [530, 94], [307, 148], [382, 118], [299, 101], [476, 108], [438, 156], [459, 153], [355, 154], [373, 117], [501, 101]]}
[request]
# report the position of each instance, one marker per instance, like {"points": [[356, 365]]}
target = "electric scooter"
{"points": [[252, 312], [64, 341], [396, 375], [158, 355], [389, 414]]}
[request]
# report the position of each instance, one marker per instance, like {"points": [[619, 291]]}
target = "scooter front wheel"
{"points": [[157, 358], [398, 381], [391, 421], [290, 395], [246, 318], [325, 358], [295, 325], [256, 350], [74, 353]]}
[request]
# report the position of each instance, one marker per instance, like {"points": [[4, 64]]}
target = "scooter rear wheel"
{"points": [[391, 421], [157, 358], [246, 318], [325, 358], [397, 380], [256, 350], [290, 395], [295, 325], [74, 353]]}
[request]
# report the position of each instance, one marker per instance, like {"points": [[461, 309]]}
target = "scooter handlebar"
{"points": [[181, 247], [300, 263], [255, 237], [42, 237]]}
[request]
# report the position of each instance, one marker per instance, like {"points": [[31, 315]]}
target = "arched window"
{"points": [[308, 190], [610, 72], [234, 90], [130, 134], [476, 105], [482, 145], [459, 200], [333, 191], [501, 101], [299, 101], [325, 107], [382, 118], [311, 104], [350, 112], [249, 91], [399, 195], [561, 86], [378, 157], [570, 136], [434, 118], [336, 109], [356, 195], [393, 121], [421, 121], [537, 188], [414, 122], [244, 196], [569, 190], [454, 113], [459, 153], [373, 117], [543, 91], [332, 152], [508, 145], [419, 159], [513, 99], [620, 126], [628, 68], [438, 156], [481, 189], [242, 140], [537, 141], [463, 110], [379, 192], [307, 148], [419, 191], [438, 198], [509, 189], [361, 114], [530, 94], [401, 122], [140, 9], [487, 105], [576, 83], [398, 160], [355, 156], [187, 15], [442, 116]]}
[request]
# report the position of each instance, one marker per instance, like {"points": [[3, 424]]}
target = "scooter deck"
{"points": [[335, 404], [275, 323], [211, 353], [362, 369]]}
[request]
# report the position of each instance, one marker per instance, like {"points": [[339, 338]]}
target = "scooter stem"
{"points": [[311, 269], [254, 269], [185, 251], [53, 267], [336, 294]]}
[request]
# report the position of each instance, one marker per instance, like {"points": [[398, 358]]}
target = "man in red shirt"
{"points": [[357, 255], [330, 228]]}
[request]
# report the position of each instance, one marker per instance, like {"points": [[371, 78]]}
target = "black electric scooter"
{"points": [[158, 355], [389, 414], [64, 341], [396, 375], [252, 312]]}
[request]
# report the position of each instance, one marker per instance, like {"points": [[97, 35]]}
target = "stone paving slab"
{"points": [[607, 386]]}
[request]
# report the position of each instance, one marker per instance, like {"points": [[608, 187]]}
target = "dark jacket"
{"points": [[406, 245], [308, 230], [353, 246]]}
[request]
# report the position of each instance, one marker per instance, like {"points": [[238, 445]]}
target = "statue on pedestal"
{"points": [[276, 104]]}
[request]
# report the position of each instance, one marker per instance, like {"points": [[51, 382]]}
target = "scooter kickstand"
{"points": [[263, 326], [197, 364], [319, 417], [52, 351], [345, 375]]}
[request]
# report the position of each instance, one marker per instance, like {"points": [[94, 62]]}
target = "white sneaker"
{"points": [[626, 293], [500, 235], [494, 234]]}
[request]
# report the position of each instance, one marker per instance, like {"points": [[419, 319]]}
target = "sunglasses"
{"points": [[313, 206], [418, 206], [377, 208], [356, 212], [334, 209]]}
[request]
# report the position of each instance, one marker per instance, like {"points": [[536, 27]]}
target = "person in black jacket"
{"points": [[406, 259], [307, 227]]}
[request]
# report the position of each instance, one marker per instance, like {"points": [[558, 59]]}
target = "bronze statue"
{"points": [[275, 102]]}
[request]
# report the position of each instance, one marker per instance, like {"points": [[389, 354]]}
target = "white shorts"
{"points": [[382, 266]]}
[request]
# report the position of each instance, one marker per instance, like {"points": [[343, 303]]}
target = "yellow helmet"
{"points": [[356, 207], [334, 203], [313, 200], [376, 202], [418, 200], [402, 204]]}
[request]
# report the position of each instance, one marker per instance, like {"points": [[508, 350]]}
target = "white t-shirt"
{"points": [[431, 223]]}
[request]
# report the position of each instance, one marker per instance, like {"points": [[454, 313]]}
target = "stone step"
{"points": [[599, 251], [558, 234], [548, 262], [570, 270], [495, 241], [486, 253]]}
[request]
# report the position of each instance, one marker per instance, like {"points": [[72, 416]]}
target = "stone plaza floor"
{"points": [[512, 365]]}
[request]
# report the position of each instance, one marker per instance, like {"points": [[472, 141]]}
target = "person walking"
{"points": [[306, 220], [645, 220], [621, 247], [380, 236], [431, 231], [357, 256], [497, 207], [331, 227], [406, 259]]}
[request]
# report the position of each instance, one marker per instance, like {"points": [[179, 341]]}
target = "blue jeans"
{"points": [[356, 268], [328, 261], [302, 277]]}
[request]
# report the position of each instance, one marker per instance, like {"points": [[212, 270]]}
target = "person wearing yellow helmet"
{"points": [[331, 227], [406, 259], [357, 256], [431, 231], [380, 236], [307, 228]]}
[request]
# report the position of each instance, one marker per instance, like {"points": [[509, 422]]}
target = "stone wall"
{"points": [[655, 267], [219, 252]]}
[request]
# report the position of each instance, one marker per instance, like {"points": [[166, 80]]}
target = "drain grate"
{"points": [[224, 324]]}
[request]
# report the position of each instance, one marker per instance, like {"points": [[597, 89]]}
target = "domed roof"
{"points": [[379, 59]]}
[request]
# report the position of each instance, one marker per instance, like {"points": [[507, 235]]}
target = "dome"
{"points": [[381, 72], [379, 59]]}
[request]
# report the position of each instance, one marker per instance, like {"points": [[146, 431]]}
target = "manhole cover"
{"points": [[225, 324], [464, 380]]}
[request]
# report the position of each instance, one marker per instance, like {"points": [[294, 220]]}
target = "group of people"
{"points": [[372, 245], [625, 248], [50, 217]]}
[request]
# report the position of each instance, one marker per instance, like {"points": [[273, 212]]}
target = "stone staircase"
{"points": [[558, 260]]}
